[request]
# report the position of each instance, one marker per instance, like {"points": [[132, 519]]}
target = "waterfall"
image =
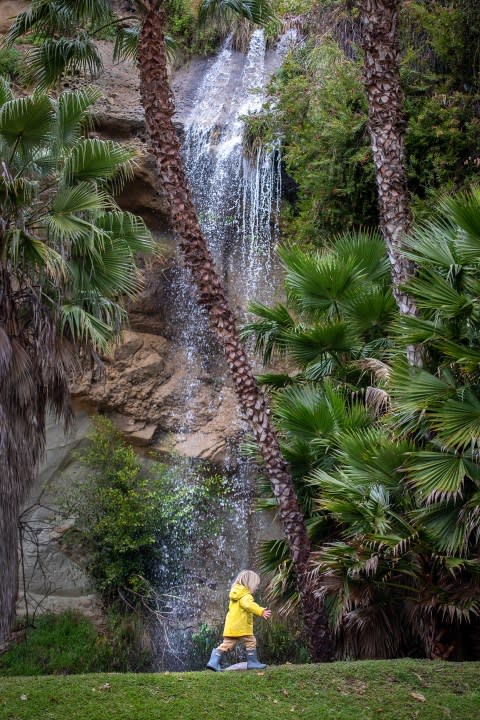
{"points": [[237, 200], [236, 197]]}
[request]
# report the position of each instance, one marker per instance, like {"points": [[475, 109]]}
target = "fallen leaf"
{"points": [[106, 686], [285, 692], [275, 702], [260, 673], [292, 709], [23, 697], [418, 696]]}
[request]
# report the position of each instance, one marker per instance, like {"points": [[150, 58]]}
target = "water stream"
{"points": [[237, 200]]}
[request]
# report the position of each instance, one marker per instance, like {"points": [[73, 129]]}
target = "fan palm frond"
{"points": [[367, 248], [73, 114], [48, 62], [306, 345], [318, 283], [269, 331], [98, 160], [437, 475], [436, 294], [27, 122], [129, 229], [259, 12], [6, 94]]}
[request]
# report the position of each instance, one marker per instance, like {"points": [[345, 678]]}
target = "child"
{"points": [[239, 621]]}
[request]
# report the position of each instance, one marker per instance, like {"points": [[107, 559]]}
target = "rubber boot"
{"points": [[252, 661], [214, 662]]}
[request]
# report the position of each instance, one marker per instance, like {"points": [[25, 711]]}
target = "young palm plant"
{"points": [[67, 257]]}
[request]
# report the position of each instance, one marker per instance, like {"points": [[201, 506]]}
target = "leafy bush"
{"points": [[135, 519], [317, 105], [10, 62]]}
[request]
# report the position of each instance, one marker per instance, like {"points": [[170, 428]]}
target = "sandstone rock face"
{"points": [[8, 10], [143, 391], [54, 580]]}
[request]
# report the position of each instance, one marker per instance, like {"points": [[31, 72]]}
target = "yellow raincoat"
{"points": [[241, 609]]}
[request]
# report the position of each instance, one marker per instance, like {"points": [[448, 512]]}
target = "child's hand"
{"points": [[266, 614]]}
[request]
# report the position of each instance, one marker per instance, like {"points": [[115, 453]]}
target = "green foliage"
{"points": [[318, 106], [59, 233], [10, 62], [202, 642], [135, 519], [388, 477], [69, 644], [180, 19]]}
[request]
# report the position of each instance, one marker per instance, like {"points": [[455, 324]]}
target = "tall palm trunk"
{"points": [[19, 449], [9, 512], [387, 125], [157, 101]]}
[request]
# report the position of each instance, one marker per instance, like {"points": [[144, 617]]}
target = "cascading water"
{"points": [[237, 200]]}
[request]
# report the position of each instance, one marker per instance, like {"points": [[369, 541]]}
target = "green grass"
{"points": [[68, 643], [340, 691]]}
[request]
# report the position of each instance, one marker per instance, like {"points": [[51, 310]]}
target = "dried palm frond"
{"points": [[380, 370]]}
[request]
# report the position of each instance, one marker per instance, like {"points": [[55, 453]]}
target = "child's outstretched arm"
{"points": [[248, 603]]}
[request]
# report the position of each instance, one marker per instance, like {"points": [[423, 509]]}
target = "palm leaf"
{"points": [[27, 121], [319, 282], [269, 331], [72, 115], [416, 389], [436, 475], [310, 344], [128, 228], [99, 160], [457, 422], [259, 12], [6, 94], [48, 62], [434, 293], [367, 249], [62, 17], [83, 327], [464, 210], [433, 243]]}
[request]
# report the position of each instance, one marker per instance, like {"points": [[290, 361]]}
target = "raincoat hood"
{"points": [[238, 591]]}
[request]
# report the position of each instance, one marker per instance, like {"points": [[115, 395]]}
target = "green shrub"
{"points": [[133, 517], [10, 62], [318, 106]]}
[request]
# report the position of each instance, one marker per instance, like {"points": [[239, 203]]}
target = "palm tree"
{"points": [[157, 101], [332, 331], [387, 124], [405, 495], [388, 583], [66, 259]]}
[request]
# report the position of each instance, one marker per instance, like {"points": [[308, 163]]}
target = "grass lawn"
{"points": [[394, 690]]}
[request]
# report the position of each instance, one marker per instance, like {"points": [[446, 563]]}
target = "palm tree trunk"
{"points": [[387, 125], [8, 563], [158, 104]]}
